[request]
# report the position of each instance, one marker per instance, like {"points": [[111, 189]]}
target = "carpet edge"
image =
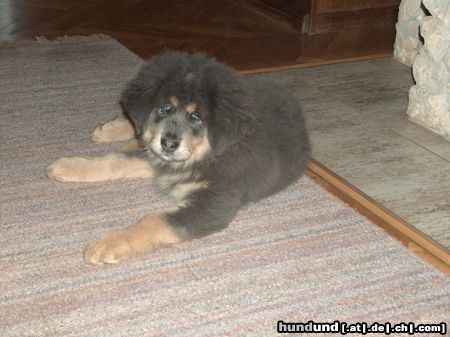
{"points": [[42, 40]]}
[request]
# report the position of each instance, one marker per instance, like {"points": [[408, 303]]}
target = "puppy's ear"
{"points": [[224, 137], [232, 122], [136, 105], [232, 111], [229, 131]]}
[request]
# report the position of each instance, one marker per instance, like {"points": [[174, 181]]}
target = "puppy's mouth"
{"points": [[168, 157], [165, 156]]}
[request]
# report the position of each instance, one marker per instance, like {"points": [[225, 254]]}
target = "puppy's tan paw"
{"points": [[113, 131], [111, 249], [75, 169], [146, 235], [131, 146]]}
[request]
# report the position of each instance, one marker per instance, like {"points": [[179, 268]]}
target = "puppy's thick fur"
{"points": [[212, 139]]}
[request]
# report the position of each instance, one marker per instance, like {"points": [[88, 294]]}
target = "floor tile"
{"points": [[394, 68]]}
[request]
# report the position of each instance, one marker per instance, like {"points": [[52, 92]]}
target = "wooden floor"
{"points": [[235, 32]]}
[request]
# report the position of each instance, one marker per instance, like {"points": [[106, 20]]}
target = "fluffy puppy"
{"points": [[210, 138]]}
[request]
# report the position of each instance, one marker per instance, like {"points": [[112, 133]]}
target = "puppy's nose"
{"points": [[169, 145]]}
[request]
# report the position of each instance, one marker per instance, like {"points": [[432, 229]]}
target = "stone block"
{"points": [[434, 76], [436, 36], [407, 42], [447, 61], [439, 9], [431, 111], [409, 9]]}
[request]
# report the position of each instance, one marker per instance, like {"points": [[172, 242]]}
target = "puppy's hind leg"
{"points": [[110, 167], [116, 130]]}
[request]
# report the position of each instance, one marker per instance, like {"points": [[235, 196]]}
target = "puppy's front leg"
{"points": [[150, 233], [207, 212], [110, 167], [116, 130]]}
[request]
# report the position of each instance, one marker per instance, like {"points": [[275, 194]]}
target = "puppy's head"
{"points": [[176, 131], [185, 107]]}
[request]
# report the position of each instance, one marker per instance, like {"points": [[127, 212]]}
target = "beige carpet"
{"points": [[301, 255]]}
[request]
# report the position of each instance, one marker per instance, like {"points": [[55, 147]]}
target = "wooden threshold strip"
{"points": [[415, 240]]}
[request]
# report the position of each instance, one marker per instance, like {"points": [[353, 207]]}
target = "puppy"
{"points": [[213, 140]]}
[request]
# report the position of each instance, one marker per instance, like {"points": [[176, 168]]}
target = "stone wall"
{"points": [[407, 41], [429, 99]]}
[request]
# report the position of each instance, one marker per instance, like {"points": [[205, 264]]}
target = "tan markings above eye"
{"points": [[191, 107], [174, 101]]}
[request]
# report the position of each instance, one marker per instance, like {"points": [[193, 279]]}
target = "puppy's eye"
{"points": [[165, 109], [195, 117]]}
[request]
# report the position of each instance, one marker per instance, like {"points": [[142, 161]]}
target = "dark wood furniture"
{"points": [[338, 28]]}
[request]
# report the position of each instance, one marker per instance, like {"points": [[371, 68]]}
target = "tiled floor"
{"points": [[356, 114]]}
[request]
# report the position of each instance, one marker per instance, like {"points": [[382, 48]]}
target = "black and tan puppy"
{"points": [[212, 139]]}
